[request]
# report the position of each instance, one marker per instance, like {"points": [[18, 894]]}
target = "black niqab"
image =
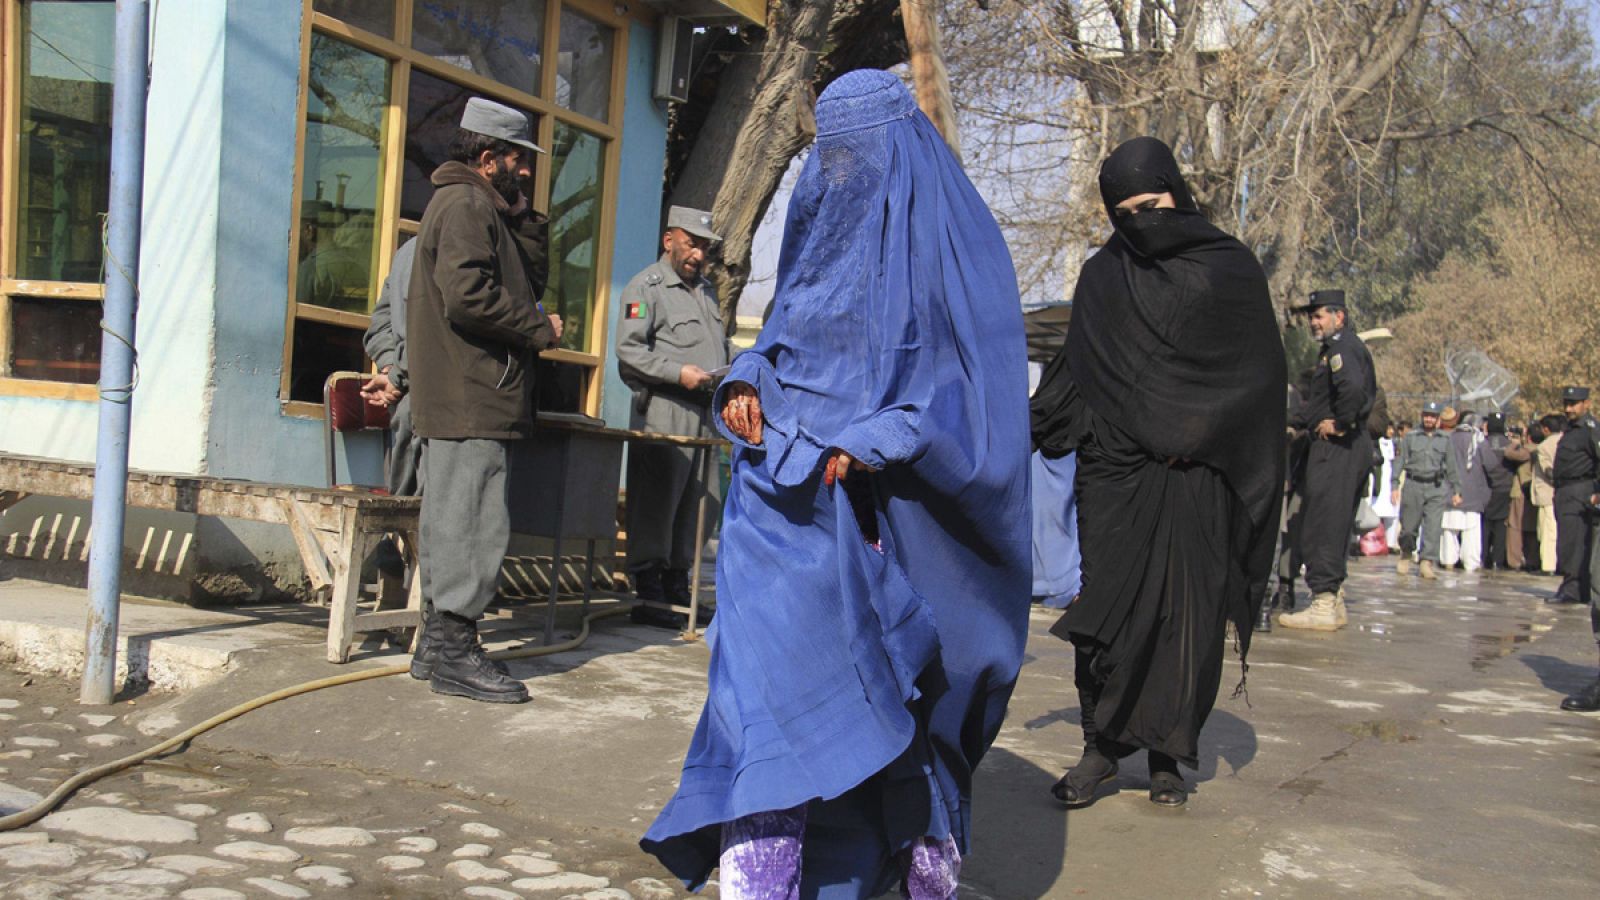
{"points": [[1173, 338]]}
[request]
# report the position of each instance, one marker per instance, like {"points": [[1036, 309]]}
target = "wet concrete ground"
{"points": [[1420, 752]]}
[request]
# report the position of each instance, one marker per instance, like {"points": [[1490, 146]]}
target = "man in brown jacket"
{"points": [[474, 326]]}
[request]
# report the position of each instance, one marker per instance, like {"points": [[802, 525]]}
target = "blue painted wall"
{"points": [[248, 434], [638, 237]]}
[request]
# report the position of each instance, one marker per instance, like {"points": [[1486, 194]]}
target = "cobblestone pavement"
{"points": [[202, 825], [1418, 753]]}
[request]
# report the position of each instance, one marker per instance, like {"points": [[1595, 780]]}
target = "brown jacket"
{"points": [[473, 324]]}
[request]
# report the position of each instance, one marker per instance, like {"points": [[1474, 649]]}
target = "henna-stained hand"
{"points": [[742, 412]]}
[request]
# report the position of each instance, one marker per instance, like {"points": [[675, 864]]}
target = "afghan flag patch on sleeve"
{"points": [[637, 310]]}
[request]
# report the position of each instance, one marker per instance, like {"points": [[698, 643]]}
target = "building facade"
{"points": [[288, 149]]}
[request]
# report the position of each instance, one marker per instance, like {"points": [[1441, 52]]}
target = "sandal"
{"points": [[1167, 789], [1077, 788]]}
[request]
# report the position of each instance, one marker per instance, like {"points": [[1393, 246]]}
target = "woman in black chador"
{"points": [[1170, 390]]}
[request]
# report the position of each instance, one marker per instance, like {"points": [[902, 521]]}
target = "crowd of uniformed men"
{"points": [[1462, 487]]}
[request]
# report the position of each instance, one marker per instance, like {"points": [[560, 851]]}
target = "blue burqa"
{"points": [[868, 635], [1057, 562]]}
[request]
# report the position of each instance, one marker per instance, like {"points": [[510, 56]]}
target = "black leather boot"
{"points": [[675, 586], [464, 670], [1264, 618], [427, 653], [649, 587], [647, 583], [1586, 700], [1284, 598]]}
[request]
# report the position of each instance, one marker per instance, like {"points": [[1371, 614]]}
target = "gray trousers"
{"points": [[1422, 505], [665, 485], [405, 452], [466, 522]]}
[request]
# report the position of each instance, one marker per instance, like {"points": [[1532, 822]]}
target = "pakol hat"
{"points": [[695, 221], [497, 120], [1574, 394]]}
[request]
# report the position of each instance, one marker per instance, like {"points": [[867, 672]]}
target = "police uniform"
{"points": [[1575, 473], [1431, 479], [1343, 387], [668, 323]]}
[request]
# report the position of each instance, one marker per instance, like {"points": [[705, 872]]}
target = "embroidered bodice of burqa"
{"points": [[1170, 385], [865, 651]]}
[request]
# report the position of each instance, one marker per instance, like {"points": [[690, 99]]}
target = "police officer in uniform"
{"points": [[1425, 458], [1334, 411], [670, 342], [1576, 468], [1577, 479]]}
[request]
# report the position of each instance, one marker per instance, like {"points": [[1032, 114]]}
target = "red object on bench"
{"points": [[347, 411]]}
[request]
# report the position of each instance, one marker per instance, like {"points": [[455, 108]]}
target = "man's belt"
{"points": [[1568, 482], [1421, 480]]}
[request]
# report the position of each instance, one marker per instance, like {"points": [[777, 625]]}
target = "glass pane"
{"points": [[376, 16], [575, 200], [349, 95], [64, 165], [433, 117], [583, 68], [55, 340], [319, 351], [498, 39]]}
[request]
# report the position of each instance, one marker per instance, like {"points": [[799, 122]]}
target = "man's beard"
{"points": [[507, 184]]}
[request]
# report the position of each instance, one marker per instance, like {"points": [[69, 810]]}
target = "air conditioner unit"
{"points": [[673, 59]]}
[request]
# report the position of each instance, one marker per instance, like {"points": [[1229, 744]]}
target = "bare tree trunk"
{"points": [[928, 71], [742, 152]]}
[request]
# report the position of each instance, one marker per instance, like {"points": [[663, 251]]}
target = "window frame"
{"points": [[11, 77], [390, 227]]}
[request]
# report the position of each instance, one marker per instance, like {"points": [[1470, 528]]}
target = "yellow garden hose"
{"points": [[39, 810]]}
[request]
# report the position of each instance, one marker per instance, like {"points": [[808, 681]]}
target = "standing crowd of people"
{"points": [[877, 545]]}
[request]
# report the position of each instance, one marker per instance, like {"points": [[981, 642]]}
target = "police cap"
{"points": [[1574, 394], [1496, 422], [695, 221], [1332, 299], [1433, 408]]}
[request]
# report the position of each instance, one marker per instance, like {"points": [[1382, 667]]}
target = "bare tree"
{"points": [[761, 113], [1285, 114]]}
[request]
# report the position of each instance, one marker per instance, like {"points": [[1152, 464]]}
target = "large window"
{"points": [[385, 83], [55, 172]]}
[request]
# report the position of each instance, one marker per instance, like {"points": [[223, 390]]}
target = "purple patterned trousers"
{"points": [[761, 860]]}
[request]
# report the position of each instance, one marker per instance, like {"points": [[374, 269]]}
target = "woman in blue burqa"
{"points": [[873, 573], [1170, 389]]}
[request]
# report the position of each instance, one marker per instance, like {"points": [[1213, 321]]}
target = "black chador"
{"points": [[1170, 389]]}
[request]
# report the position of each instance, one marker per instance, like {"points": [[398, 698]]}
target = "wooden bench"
{"points": [[334, 530]]}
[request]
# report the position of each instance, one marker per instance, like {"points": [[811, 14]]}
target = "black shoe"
{"points": [[464, 670], [1077, 788], [1264, 619], [1167, 789], [1586, 700], [1284, 598], [1166, 785], [645, 614], [426, 656]]}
